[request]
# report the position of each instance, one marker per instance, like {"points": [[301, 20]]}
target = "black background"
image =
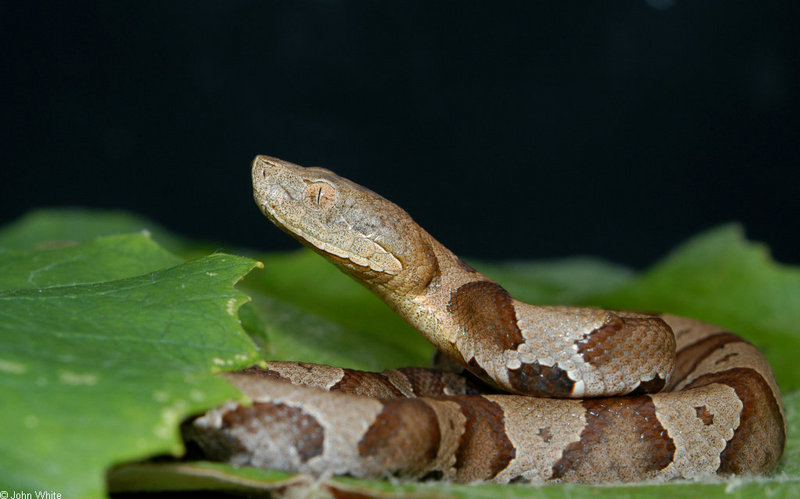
{"points": [[507, 129]]}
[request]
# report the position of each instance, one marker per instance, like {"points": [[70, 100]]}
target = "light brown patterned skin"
{"points": [[721, 411]]}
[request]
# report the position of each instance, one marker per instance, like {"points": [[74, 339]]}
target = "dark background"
{"points": [[508, 130]]}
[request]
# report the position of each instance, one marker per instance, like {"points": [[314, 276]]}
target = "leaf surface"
{"points": [[104, 348], [109, 348]]}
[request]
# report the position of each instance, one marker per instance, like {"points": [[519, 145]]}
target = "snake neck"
{"points": [[423, 291]]}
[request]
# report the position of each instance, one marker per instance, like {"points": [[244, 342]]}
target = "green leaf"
{"points": [[557, 282], [54, 227], [104, 348], [305, 309], [110, 258], [302, 309]]}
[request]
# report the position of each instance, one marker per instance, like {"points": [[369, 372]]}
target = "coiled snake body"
{"points": [[582, 403]]}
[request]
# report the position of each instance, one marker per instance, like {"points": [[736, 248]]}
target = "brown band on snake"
{"points": [[543, 381], [603, 343], [361, 383], [403, 438], [721, 411], [761, 419], [424, 385], [607, 342], [690, 356], [617, 427], [484, 449], [486, 306], [594, 346], [652, 386]]}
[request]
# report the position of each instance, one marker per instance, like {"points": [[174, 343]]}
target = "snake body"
{"points": [[551, 393]]}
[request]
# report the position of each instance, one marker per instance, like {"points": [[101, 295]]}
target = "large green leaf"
{"points": [[104, 348], [304, 309]]}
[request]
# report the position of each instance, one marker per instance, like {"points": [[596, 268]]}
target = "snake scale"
{"points": [[551, 394]]}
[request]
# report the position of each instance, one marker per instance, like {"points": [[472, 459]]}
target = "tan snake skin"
{"points": [[583, 406]]}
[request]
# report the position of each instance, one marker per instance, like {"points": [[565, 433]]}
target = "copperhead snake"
{"points": [[592, 395]]}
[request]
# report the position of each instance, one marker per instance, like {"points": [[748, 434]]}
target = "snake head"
{"points": [[334, 216]]}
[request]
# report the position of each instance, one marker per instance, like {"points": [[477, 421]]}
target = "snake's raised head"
{"points": [[345, 222]]}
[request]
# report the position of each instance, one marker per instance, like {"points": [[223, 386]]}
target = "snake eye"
{"points": [[319, 195]]}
